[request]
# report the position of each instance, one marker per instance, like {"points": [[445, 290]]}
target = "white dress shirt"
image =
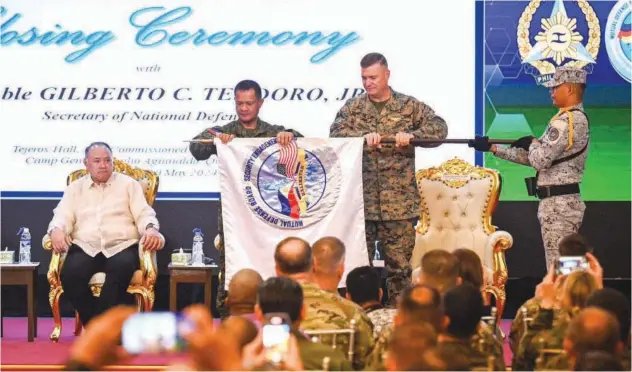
{"points": [[105, 218]]}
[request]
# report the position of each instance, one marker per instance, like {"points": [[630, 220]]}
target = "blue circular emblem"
{"points": [[618, 39], [291, 186]]}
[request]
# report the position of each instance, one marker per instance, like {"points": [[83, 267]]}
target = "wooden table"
{"points": [[190, 274], [24, 274]]}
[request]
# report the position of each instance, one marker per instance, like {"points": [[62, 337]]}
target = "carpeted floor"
{"points": [[16, 350]]}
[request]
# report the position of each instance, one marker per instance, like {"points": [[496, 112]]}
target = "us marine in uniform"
{"points": [[391, 197], [248, 102], [559, 156]]}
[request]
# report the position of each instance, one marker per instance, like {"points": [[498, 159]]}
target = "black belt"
{"points": [[557, 190]]}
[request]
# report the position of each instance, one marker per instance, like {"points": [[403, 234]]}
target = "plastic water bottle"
{"points": [[378, 256], [25, 245], [197, 254]]}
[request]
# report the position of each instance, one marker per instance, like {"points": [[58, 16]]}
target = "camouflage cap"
{"points": [[566, 75]]}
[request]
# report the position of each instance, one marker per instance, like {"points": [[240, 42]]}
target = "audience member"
{"points": [[463, 306], [598, 361], [325, 310], [242, 329], [571, 245], [618, 305], [284, 295], [418, 304], [440, 359], [242, 293], [100, 222], [363, 288], [407, 345], [592, 329], [329, 263], [470, 267]]}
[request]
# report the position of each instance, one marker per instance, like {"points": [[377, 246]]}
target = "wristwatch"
{"points": [[151, 226]]}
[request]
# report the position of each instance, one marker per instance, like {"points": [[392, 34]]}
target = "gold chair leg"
{"points": [[78, 325], [53, 299]]}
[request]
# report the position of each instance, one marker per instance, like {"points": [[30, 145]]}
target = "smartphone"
{"points": [[568, 264], [276, 336], [155, 332]]}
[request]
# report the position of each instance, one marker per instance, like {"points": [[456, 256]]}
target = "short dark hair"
{"points": [[464, 306], [96, 144], [442, 267], [574, 245], [281, 295], [245, 85], [373, 58], [598, 360], [363, 285], [617, 304], [293, 262], [413, 310], [470, 267]]}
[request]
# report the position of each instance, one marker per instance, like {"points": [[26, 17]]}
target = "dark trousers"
{"points": [[79, 267], [398, 242]]}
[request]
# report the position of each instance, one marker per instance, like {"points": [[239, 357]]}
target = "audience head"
{"points": [[99, 161], [617, 304], [242, 329], [242, 292], [328, 261], [420, 304], [407, 344], [463, 305], [574, 245], [470, 267], [280, 295], [375, 75], [592, 329], [598, 361], [293, 256], [441, 359], [578, 287], [363, 285], [248, 101], [440, 269]]}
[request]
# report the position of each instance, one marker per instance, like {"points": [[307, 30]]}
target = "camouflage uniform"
{"points": [[561, 362], [381, 319], [475, 357], [517, 325], [329, 311], [313, 354], [561, 215], [391, 198], [203, 151], [491, 344], [546, 331]]}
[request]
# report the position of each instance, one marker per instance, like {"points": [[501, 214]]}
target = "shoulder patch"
{"points": [[553, 134], [559, 124]]}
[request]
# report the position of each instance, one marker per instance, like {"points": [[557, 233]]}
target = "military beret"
{"points": [[566, 75]]}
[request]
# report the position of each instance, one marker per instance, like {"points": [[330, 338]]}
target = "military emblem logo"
{"points": [[290, 186], [618, 38], [558, 43]]}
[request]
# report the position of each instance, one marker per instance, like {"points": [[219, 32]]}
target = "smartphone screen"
{"points": [[276, 335], [568, 264], [155, 332]]}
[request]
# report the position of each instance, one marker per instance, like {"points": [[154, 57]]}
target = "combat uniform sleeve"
{"points": [[553, 143], [343, 124], [524, 358], [364, 340], [427, 124], [513, 154], [280, 128], [203, 151]]}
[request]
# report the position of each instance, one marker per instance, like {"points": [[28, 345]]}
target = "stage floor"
{"points": [[17, 353]]}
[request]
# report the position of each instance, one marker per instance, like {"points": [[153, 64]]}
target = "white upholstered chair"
{"points": [[458, 200]]}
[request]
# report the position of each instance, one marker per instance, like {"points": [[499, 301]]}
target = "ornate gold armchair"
{"points": [[143, 280], [458, 200]]}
